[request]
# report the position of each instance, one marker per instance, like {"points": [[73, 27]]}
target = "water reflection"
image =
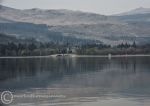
{"points": [[78, 77]]}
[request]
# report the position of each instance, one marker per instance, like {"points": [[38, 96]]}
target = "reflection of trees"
{"points": [[44, 71]]}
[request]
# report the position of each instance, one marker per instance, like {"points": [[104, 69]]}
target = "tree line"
{"points": [[31, 49], [40, 49], [120, 49]]}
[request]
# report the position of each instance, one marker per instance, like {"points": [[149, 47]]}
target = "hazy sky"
{"points": [[98, 6]]}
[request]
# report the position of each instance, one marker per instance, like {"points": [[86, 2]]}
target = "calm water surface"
{"points": [[77, 81]]}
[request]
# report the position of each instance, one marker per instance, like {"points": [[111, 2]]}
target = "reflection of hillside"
{"points": [[12, 68], [50, 69], [115, 75]]}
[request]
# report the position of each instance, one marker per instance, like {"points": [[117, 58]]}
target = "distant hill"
{"points": [[28, 32], [3, 20], [66, 25], [4, 39], [134, 18], [51, 17], [140, 10]]}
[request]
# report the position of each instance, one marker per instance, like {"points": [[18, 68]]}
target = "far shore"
{"points": [[74, 55]]}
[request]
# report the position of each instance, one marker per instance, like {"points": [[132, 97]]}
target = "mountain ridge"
{"points": [[82, 25], [51, 17], [140, 10]]}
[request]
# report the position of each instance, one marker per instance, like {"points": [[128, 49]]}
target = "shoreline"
{"points": [[140, 55], [73, 55]]}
